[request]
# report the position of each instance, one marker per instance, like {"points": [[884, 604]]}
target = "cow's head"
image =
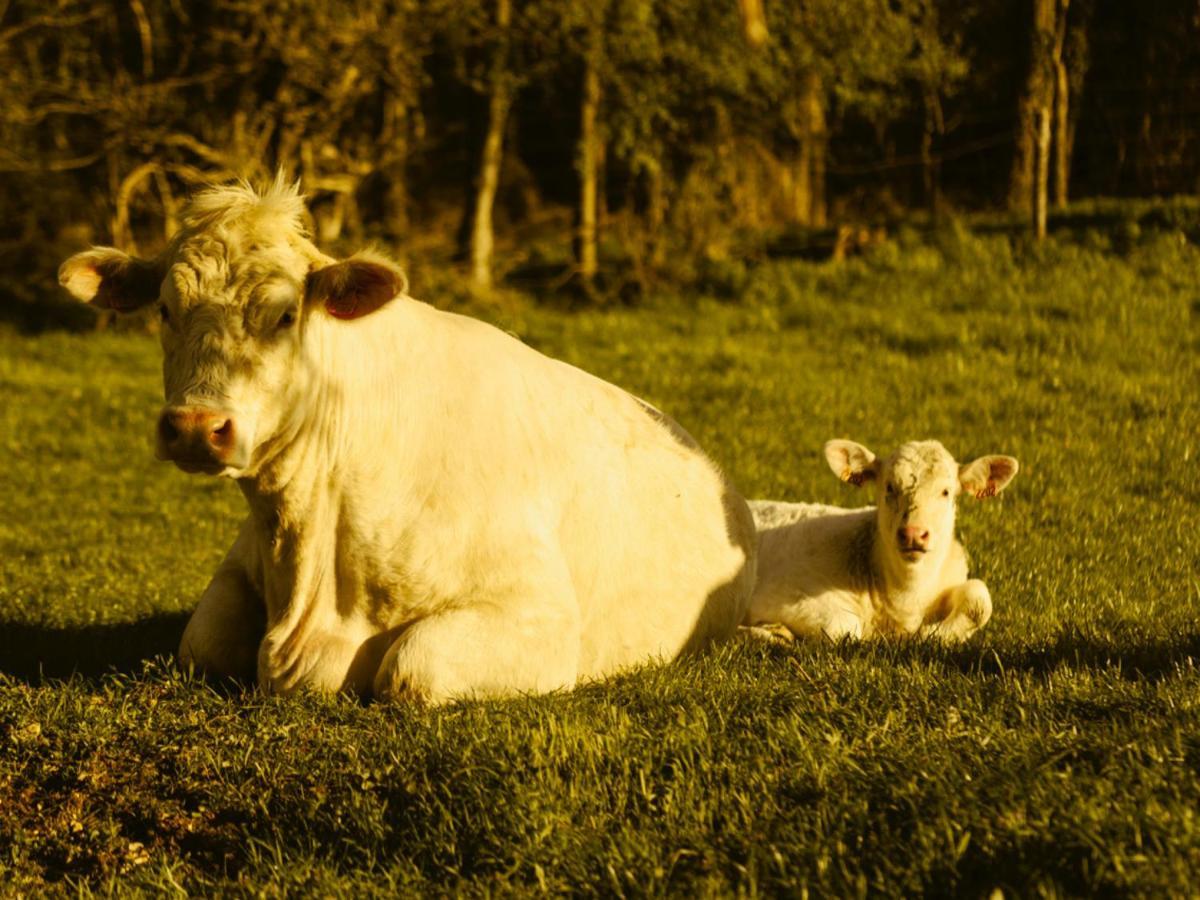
{"points": [[243, 296], [915, 490]]}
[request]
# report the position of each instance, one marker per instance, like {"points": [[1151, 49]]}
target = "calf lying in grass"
{"points": [[893, 568]]}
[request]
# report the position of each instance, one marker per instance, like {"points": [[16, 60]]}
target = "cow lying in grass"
{"points": [[435, 509], [894, 568]]}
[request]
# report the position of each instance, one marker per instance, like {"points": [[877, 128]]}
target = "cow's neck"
{"points": [[303, 495], [358, 399], [906, 589]]}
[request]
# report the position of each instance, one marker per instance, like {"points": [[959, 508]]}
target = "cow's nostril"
{"points": [[196, 437], [168, 431], [221, 434]]}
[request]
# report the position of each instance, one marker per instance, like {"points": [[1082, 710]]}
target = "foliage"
{"points": [[113, 111], [1054, 754]]}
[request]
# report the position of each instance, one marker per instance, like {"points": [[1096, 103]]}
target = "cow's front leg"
{"points": [[959, 612], [224, 632], [328, 660], [484, 650]]}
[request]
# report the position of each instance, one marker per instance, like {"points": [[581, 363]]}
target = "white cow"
{"points": [[893, 568], [435, 509]]}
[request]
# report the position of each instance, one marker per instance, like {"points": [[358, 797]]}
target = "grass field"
{"points": [[1056, 753]]}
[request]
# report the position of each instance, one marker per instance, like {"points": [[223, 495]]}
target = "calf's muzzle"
{"points": [[197, 439], [912, 539]]}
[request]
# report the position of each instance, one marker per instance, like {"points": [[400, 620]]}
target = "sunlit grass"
{"points": [[1058, 751]]}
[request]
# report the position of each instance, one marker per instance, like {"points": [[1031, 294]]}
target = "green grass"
{"points": [[1058, 752]]}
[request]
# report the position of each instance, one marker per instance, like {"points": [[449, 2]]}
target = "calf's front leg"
{"points": [[959, 612]]}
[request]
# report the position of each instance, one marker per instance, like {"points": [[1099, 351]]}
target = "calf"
{"points": [[894, 568], [435, 509]]}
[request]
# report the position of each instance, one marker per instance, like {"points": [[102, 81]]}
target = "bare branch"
{"points": [[9, 162], [144, 36]]}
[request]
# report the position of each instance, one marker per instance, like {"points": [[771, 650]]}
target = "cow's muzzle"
{"points": [[198, 439]]}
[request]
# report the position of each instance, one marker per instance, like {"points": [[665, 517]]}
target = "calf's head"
{"points": [[243, 295], [915, 490]]}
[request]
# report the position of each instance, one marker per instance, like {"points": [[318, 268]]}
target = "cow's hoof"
{"points": [[772, 632]]}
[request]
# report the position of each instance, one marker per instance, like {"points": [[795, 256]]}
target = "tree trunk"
{"points": [[1041, 172], [395, 154], [588, 172], [801, 184], [808, 187], [330, 219], [820, 143], [482, 237], [1036, 99], [1062, 139], [656, 213], [1062, 106], [601, 187], [754, 22], [122, 229], [169, 205], [930, 165]]}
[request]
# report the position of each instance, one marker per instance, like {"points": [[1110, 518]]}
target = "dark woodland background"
{"points": [[607, 144]]}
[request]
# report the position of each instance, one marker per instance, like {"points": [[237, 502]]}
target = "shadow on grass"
{"points": [[1128, 652], [1132, 654], [36, 652]]}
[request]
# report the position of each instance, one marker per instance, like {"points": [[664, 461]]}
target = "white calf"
{"points": [[895, 568]]}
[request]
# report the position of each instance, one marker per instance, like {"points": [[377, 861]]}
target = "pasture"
{"points": [[1058, 752]]}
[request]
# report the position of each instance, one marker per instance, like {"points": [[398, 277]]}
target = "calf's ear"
{"points": [[107, 278], [356, 286], [987, 476], [851, 462]]}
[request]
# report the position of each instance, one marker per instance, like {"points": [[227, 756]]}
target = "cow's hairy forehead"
{"points": [[205, 270], [236, 238], [921, 462]]}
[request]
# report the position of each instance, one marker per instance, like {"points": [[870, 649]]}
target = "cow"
{"points": [[435, 510], [895, 568]]}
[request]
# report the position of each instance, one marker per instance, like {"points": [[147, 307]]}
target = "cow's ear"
{"points": [[356, 286], [851, 462], [987, 476], [107, 278]]}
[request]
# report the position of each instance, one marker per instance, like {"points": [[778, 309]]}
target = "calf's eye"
{"points": [[287, 319], [946, 492], [163, 312]]}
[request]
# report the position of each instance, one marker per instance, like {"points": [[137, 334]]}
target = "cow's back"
{"points": [[662, 548], [534, 457], [674, 569]]}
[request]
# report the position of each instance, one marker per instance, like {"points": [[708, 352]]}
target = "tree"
{"points": [[495, 54], [500, 95], [938, 68], [1036, 115], [835, 56], [613, 45], [1070, 70]]}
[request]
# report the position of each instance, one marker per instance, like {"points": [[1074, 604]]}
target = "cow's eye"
{"points": [[891, 489], [287, 320], [164, 313], [946, 492]]}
